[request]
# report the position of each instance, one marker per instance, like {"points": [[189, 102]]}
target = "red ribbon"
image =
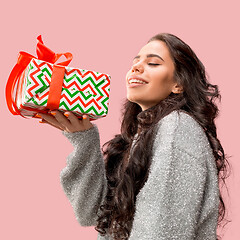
{"points": [[24, 59]]}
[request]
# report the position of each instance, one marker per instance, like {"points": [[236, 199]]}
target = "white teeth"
{"points": [[136, 80]]}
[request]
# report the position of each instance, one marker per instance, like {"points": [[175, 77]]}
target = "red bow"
{"points": [[24, 59]]}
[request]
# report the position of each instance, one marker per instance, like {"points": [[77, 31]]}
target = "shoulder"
{"points": [[181, 130]]}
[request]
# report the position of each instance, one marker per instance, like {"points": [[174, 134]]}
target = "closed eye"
{"points": [[153, 64]]}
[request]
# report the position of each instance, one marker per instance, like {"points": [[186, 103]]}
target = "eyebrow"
{"points": [[150, 55]]}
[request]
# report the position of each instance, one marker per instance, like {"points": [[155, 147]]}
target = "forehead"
{"points": [[156, 47]]}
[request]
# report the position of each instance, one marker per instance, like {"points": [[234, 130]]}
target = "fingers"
{"points": [[51, 120], [78, 124], [72, 118], [61, 120], [44, 121], [68, 121]]}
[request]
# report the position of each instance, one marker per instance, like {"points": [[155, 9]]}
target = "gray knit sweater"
{"points": [[179, 200]]}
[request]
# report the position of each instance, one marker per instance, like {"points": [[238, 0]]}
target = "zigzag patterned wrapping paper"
{"points": [[83, 91]]}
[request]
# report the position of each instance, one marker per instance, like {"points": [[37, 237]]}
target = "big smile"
{"points": [[136, 82]]}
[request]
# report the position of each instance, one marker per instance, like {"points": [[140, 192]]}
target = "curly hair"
{"points": [[126, 173]]}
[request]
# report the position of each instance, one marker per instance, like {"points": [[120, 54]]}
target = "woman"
{"points": [[160, 177]]}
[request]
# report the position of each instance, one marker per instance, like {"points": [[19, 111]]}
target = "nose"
{"points": [[137, 67]]}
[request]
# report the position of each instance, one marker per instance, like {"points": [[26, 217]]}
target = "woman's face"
{"points": [[154, 65]]}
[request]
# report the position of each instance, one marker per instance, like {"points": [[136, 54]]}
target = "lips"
{"points": [[136, 77]]}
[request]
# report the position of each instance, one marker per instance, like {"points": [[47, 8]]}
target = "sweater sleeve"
{"points": [[172, 198], [83, 179]]}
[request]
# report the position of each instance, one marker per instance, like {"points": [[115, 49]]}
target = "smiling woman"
{"points": [[157, 73], [159, 178]]}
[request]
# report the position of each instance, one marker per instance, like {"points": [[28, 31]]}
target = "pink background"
{"points": [[103, 36]]}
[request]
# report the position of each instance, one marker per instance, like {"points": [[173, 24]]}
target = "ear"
{"points": [[177, 88]]}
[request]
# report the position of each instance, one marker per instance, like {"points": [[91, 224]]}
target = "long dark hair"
{"points": [[127, 173]]}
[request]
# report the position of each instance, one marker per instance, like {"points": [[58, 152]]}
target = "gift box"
{"points": [[39, 85]]}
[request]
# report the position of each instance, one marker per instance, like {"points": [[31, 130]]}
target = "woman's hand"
{"points": [[66, 122]]}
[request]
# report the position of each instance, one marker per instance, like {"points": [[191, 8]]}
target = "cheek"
{"points": [[161, 82], [160, 77]]}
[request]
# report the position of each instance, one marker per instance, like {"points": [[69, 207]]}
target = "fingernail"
{"points": [[84, 117], [37, 115], [41, 121], [53, 113], [66, 114]]}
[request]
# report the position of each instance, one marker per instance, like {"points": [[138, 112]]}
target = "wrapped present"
{"points": [[39, 85]]}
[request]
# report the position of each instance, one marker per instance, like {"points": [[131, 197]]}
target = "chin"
{"points": [[131, 99]]}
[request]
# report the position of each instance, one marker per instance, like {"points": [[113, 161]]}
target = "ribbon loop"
{"points": [[43, 52], [47, 55], [68, 56]]}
